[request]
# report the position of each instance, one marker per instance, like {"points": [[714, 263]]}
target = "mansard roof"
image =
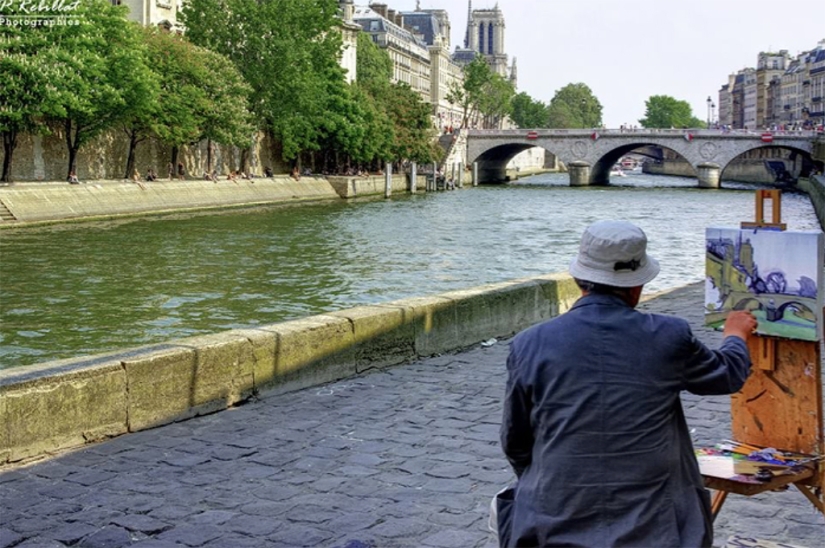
{"points": [[371, 22], [423, 23]]}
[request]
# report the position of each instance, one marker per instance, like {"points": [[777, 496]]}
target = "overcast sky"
{"points": [[628, 50]]}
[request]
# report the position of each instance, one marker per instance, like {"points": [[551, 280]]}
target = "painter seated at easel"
{"points": [[593, 425]]}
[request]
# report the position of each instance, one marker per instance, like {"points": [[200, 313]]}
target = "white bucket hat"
{"points": [[614, 253]]}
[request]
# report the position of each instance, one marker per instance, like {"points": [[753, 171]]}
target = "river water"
{"points": [[77, 289]]}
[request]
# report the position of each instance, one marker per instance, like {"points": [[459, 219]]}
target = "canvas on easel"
{"points": [[778, 276]]}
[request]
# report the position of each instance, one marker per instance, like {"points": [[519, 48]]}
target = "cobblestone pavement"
{"points": [[401, 457]]}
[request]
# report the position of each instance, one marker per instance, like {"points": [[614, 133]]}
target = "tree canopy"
{"points": [[574, 106], [528, 112], [288, 54], [664, 111], [28, 94]]}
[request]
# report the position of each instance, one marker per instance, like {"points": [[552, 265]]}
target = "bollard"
{"points": [[388, 180], [460, 175], [413, 177], [475, 173]]}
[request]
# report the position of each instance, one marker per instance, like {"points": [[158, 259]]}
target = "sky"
{"points": [[628, 50]]}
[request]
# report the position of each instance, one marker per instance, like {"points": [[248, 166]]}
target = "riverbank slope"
{"points": [[22, 203]]}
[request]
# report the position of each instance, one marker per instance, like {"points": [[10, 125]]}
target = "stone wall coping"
{"points": [[50, 407]]}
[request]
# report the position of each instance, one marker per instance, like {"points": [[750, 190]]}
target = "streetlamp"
{"points": [[710, 104]]}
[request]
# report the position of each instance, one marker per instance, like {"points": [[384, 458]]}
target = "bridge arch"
{"points": [[492, 163], [806, 162]]}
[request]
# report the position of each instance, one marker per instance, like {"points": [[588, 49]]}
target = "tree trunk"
{"points": [[173, 165], [209, 156], [244, 154], [73, 145], [9, 144], [130, 159]]}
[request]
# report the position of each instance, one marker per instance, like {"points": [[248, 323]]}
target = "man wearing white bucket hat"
{"points": [[593, 424]]}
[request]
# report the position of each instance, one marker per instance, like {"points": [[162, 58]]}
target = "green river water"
{"points": [[85, 288]]}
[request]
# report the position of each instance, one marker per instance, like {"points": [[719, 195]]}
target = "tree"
{"points": [[414, 135], [496, 102], [374, 66], [101, 78], [528, 112], [468, 94], [28, 94], [287, 50], [663, 111], [574, 106], [399, 123]]}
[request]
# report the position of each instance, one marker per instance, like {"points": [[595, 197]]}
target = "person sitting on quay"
{"points": [[181, 172], [296, 174], [72, 178], [150, 175], [268, 172]]}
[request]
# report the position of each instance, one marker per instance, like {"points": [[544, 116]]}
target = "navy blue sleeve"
{"points": [[516, 431], [713, 372]]}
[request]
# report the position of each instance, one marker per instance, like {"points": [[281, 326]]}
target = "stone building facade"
{"points": [[783, 92], [163, 13]]}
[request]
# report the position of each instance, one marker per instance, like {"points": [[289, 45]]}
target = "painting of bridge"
{"points": [[778, 276]]}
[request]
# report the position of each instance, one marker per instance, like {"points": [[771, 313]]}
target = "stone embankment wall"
{"points": [[740, 171], [59, 201], [57, 405], [45, 158], [815, 187]]}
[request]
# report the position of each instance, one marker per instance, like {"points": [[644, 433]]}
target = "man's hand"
{"points": [[740, 323]]}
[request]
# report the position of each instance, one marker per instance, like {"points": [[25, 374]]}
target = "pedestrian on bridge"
{"points": [[593, 424]]}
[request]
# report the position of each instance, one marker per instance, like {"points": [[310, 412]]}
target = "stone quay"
{"points": [[405, 456]]}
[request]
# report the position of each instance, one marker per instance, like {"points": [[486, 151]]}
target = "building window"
{"points": [[490, 49], [481, 38]]}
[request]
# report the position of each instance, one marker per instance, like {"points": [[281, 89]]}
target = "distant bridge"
{"points": [[781, 301], [590, 154]]}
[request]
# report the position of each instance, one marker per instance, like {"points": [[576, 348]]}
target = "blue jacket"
{"points": [[594, 429]]}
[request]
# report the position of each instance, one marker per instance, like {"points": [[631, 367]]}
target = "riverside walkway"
{"points": [[401, 457]]}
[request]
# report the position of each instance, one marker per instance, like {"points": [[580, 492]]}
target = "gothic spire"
{"points": [[469, 19]]}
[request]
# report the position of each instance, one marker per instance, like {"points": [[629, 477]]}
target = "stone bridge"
{"points": [[590, 154]]}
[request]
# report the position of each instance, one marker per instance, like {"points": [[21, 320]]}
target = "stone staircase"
{"points": [[5, 214], [455, 147]]}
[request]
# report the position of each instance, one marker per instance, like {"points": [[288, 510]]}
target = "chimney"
{"points": [[390, 15], [380, 9], [399, 20]]}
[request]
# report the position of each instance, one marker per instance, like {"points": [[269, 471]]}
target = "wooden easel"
{"points": [[780, 405]]}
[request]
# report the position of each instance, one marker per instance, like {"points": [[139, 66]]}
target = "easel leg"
{"points": [[717, 502], [805, 490]]}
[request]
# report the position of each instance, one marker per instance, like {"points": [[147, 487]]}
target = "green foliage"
{"points": [[414, 134], [102, 78], [398, 123], [91, 75], [663, 111], [528, 112], [469, 94], [496, 102], [374, 66], [574, 106], [288, 52], [27, 94]]}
